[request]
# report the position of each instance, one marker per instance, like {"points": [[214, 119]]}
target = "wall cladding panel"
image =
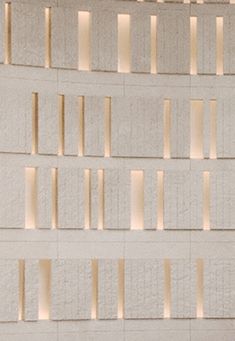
{"points": [[44, 197], [150, 199], [71, 125], [31, 290], [229, 44]]}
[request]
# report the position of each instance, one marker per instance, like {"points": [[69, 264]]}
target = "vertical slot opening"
{"points": [[87, 200], [193, 45], [160, 201], [61, 125], [121, 288], [7, 34], [196, 129], [206, 200], [30, 198], [107, 129], [124, 54], [47, 37], [213, 119], [94, 305], [137, 200], [167, 128], [21, 289], [44, 289], [34, 123], [54, 192], [200, 270], [81, 126], [167, 288], [219, 45], [153, 44], [101, 199], [84, 40]]}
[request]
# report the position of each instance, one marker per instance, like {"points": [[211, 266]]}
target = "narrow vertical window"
{"points": [[7, 35], [94, 307], [21, 289], [30, 198], [54, 192], [101, 199], [160, 201], [153, 44], [219, 46], [213, 128], [200, 288], [61, 126], [193, 45], [137, 200], [206, 200], [83, 40], [121, 288], [124, 54], [87, 217], [47, 37], [196, 128], [167, 288], [107, 130], [81, 126], [167, 128], [34, 149], [44, 289]]}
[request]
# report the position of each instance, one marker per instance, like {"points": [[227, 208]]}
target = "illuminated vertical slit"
{"points": [[193, 45], [206, 200], [167, 129], [200, 270], [124, 54], [200, 1], [167, 288], [160, 201], [81, 126], [21, 289], [232, 1], [87, 174], [7, 34], [48, 37], [121, 288], [107, 125], [54, 192], [30, 198], [83, 41], [44, 289], [101, 199], [61, 125], [153, 44], [34, 123], [219, 45], [94, 306], [196, 129], [137, 200], [213, 119]]}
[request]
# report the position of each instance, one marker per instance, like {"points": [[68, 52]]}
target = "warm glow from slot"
{"points": [[21, 289], [44, 289], [7, 34], [83, 41], [124, 54], [160, 201], [193, 45], [87, 218], [206, 200], [30, 198], [94, 305], [61, 126], [48, 37], [101, 199], [167, 288], [200, 288], [153, 44], [196, 128], [213, 133], [167, 129], [54, 191], [81, 126], [137, 200], [121, 288], [219, 45], [34, 123], [107, 128]]}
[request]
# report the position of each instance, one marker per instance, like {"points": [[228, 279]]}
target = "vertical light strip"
{"points": [[44, 289], [219, 45], [213, 129], [153, 44], [30, 198], [48, 37], [94, 305], [81, 125], [7, 34], [83, 40], [121, 288], [87, 199], [124, 51], [61, 126], [167, 288], [206, 200], [107, 126], [21, 289], [196, 129], [200, 270], [167, 129], [193, 45], [34, 123], [137, 200], [54, 192], [101, 199], [160, 200]]}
